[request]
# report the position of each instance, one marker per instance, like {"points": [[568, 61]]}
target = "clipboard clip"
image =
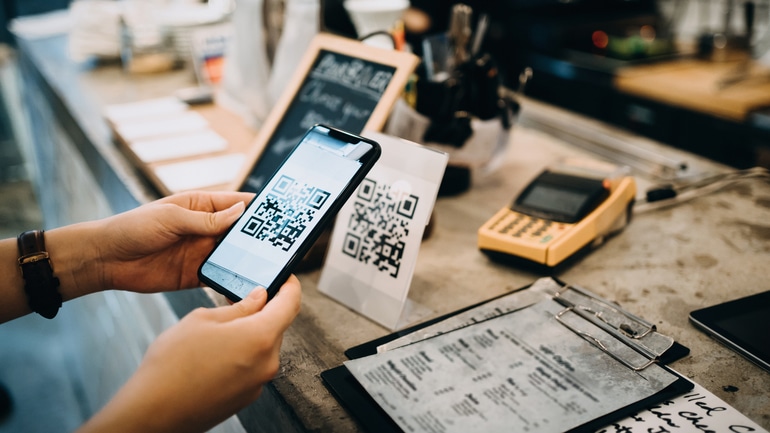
{"points": [[634, 327], [624, 326], [595, 341]]}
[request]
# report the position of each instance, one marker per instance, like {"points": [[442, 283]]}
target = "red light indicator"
{"points": [[600, 39]]}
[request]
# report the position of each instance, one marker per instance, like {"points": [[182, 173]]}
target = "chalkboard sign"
{"points": [[340, 82]]}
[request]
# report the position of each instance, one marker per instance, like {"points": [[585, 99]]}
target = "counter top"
{"points": [[666, 263], [730, 89]]}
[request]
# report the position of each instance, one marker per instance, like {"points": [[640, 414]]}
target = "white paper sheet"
{"points": [[179, 146], [200, 173], [539, 290], [175, 124], [146, 109]]}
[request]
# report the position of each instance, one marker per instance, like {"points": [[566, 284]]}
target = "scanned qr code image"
{"points": [[285, 213], [379, 225]]}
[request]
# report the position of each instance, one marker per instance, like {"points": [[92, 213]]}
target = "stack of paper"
{"points": [[166, 133]]}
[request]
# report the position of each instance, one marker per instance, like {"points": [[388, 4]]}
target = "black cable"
{"points": [[379, 32], [668, 195]]}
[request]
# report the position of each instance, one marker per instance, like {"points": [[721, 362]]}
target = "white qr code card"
{"points": [[378, 232]]}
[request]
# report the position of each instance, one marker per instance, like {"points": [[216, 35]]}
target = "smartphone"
{"points": [[289, 213]]}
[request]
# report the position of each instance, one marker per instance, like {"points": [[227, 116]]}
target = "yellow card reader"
{"points": [[562, 211]]}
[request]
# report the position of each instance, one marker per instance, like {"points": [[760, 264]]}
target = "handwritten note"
{"points": [[696, 411]]}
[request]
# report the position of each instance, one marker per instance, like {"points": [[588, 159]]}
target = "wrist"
{"points": [[75, 259]]}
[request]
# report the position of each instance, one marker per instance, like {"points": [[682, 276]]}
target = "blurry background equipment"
{"points": [[456, 102], [373, 19], [584, 53]]}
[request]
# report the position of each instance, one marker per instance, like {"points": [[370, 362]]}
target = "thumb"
{"points": [[251, 304], [209, 223], [223, 218]]}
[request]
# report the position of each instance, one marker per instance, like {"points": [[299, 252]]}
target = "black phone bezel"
{"points": [[367, 162]]}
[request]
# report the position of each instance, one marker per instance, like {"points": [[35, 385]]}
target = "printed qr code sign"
{"points": [[286, 213], [351, 245], [378, 226], [407, 206], [366, 190]]}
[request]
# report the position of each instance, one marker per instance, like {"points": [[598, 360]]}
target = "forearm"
{"points": [[155, 247], [152, 406], [73, 256], [133, 409]]}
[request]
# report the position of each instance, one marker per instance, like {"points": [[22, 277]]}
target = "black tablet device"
{"points": [[742, 324]]}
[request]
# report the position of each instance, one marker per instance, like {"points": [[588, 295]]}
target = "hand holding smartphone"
{"points": [[286, 217]]}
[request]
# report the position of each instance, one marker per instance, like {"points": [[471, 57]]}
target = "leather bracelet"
{"points": [[40, 284]]}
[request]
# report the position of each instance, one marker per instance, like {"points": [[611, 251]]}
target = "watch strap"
{"points": [[40, 284]]}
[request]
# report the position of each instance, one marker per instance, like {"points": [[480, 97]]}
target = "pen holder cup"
{"points": [[478, 153]]}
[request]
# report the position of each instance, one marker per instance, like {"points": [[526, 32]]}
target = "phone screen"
{"points": [[313, 183]]}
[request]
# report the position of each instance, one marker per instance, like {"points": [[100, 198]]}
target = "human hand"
{"points": [[159, 246], [204, 369]]}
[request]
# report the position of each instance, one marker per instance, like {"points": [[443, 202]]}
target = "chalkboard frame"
{"points": [[404, 64]]}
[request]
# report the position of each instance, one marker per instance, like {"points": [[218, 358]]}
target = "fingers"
{"points": [[274, 317], [251, 304], [208, 201], [280, 312], [205, 213]]}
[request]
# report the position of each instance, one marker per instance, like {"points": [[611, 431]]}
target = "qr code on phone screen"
{"points": [[379, 226], [285, 213]]}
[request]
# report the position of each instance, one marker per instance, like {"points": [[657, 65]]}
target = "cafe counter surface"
{"points": [[666, 263]]}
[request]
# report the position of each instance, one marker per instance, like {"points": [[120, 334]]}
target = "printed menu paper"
{"points": [[523, 371], [541, 289]]}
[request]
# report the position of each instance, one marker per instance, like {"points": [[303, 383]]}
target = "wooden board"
{"points": [[699, 85]]}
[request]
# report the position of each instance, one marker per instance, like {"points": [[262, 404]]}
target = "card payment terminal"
{"points": [[560, 212]]}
